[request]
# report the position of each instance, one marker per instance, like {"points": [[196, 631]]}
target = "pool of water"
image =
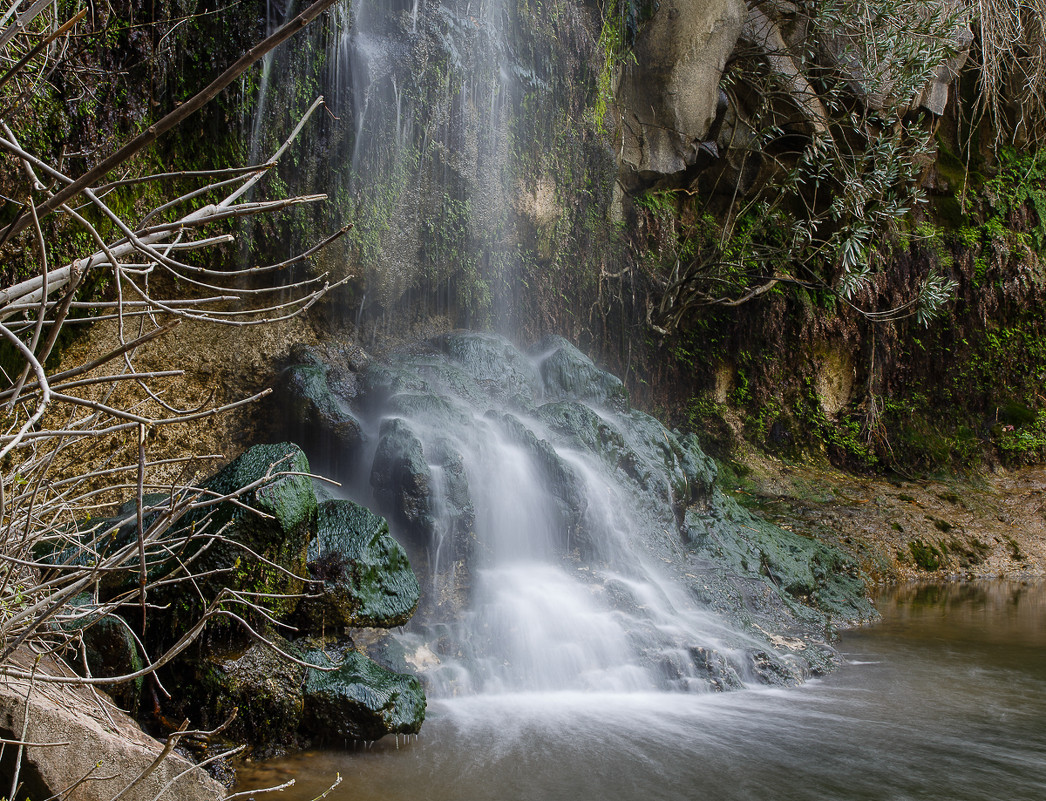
{"points": [[945, 698]]}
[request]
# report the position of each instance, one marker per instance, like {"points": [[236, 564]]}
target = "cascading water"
{"points": [[565, 541], [427, 92]]}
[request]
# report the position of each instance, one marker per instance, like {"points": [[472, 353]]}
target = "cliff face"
{"points": [[765, 234]]}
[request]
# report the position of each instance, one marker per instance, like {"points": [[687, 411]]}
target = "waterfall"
{"points": [[566, 541], [561, 538]]}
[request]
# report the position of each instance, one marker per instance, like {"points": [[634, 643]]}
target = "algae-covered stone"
{"points": [[367, 579], [281, 491], [360, 700]]}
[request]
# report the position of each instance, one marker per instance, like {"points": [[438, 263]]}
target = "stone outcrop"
{"points": [[80, 740], [669, 96]]}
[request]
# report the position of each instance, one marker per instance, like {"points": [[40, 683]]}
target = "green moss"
{"points": [[367, 579], [360, 700], [926, 556]]}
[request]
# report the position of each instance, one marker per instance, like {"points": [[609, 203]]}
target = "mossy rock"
{"points": [[281, 536], [493, 363], [359, 700], [262, 553], [261, 686], [88, 541], [367, 578], [812, 579], [402, 480]]}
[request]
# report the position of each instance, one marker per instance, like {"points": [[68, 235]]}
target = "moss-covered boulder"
{"points": [[88, 542], [265, 534], [359, 700], [366, 577]]}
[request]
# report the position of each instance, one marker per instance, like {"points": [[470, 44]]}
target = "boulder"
{"points": [[261, 686], [568, 374], [366, 578], [498, 368], [313, 409], [78, 734], [280, 534], [359, 700], [669, 96], [402, 480]]}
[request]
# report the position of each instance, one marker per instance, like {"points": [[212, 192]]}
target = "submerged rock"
{"points": [[359, 699]]}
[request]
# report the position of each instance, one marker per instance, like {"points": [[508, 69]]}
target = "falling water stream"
{"points": [[567, 607], [944, 699]]}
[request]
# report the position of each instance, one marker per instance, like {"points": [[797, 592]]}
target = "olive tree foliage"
{"points": [[831, 114], [94, 246]]}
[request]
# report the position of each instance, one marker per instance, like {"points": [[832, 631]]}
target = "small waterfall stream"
{"points": [[568, 543]]}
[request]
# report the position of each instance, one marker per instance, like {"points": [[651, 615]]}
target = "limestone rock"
{"points": [[669, 96], [94, 739]]}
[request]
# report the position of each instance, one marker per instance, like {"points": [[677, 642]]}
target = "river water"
{"points": [[945, 698]]}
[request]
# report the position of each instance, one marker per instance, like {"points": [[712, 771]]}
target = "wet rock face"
{"points": [[367, 580], [670, 95], [359, 700]]}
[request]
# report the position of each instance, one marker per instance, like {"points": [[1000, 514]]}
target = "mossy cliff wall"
{"points": [[539, 170]]}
